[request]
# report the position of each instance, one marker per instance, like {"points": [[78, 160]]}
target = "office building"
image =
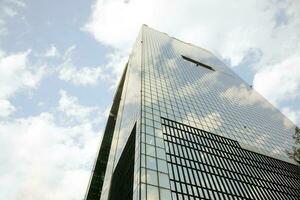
{"points": [[183, 125]]}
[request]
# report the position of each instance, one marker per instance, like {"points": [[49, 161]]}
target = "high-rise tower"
{"points": [[184, 126]]}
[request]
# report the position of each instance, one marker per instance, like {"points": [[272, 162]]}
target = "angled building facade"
{"points": [[184, 126]]}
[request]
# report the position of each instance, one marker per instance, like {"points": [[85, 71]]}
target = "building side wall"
{"points": [[161, 84], [216, 101], [128, 116]]}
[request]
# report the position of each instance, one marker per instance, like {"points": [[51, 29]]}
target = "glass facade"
{"points": [[201, 131], [207, 166]]}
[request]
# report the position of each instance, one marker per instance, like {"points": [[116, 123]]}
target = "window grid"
{"points": [[207, 166], [172, 85], [174, 89]]}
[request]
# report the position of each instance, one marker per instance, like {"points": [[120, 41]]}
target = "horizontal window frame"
{"points": [[197, 63]]}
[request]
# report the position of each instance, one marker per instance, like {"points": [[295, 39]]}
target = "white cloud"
{"points": [[81, 76], [17, 73], [114, 68], [117, 61], [70, 106], [3, 29], [67, 71], [48, 162], [51, 52], [293, 115], [52, 154], [281, 81], [69, 52], [236, 28], [18, 3], [117, 29], [2, 54], [6, 108], [8, 9], [90, 76]]}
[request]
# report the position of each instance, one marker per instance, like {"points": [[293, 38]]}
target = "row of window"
{"points": [[232, 159], [198, 169], [210, 143]]}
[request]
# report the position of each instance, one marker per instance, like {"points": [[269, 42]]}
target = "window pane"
{"points": [[150, 150], [152, 177], [165, 194], [162, 165], [164, 180], [152, 192], [151, 162]]}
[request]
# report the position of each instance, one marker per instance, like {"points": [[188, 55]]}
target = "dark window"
{"points": [[121, 187], [198, 63]]}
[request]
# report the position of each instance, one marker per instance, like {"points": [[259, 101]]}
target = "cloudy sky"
{"points": [[61, 60]]}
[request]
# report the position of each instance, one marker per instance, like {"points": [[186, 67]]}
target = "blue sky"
{"points": [[60, 62]]}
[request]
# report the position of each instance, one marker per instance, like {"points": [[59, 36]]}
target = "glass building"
{"points": [[184, 126]]}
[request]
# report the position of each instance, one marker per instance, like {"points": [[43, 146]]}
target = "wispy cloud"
{"points": [[79, 75], [9, 9], [294, 115], [69, 105], [87, 75], [280, 82], [17, 74], [6, 108], [51, 52]]}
